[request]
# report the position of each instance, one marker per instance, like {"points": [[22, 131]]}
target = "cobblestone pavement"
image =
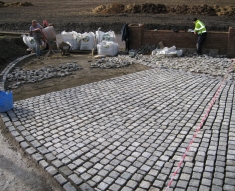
{"points": [[130, 132]]}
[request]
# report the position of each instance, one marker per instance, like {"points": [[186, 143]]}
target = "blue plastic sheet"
{"points": [[6, 101]]}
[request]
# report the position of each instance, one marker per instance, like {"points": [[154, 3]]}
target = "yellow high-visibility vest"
{"points": [[199, 27]]}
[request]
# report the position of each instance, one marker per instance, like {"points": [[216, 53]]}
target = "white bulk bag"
{"points": [[29, 41], [59, 40], [108, 48], [88, 41], [108, 36], [77, 38], [67, 38], [70, 38], [49, 33]]}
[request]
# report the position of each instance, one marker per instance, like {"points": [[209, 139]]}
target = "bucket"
{"points": [[6, 101], [132, 53]]}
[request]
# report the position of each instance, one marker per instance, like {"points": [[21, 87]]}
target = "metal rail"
{"points": [[12, 33]]}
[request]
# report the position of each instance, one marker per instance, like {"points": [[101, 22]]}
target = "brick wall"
{"points": [[136, 32], [223, 42], [231, 43]]}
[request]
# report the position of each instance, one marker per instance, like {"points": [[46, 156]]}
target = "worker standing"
{"points": [[35, 31], [44, 25], [200, 30]]}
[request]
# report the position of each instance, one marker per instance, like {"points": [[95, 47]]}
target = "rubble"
{"points": [[109, 9]]}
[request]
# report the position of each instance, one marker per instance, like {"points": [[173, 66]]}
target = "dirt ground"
{"points": [[17, 170], [11, 47], [79, 77], [78, 16]]}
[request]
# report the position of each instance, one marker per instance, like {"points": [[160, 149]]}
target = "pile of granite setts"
{"points": [[21, 76]]}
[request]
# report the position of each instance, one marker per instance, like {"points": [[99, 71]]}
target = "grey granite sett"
{"points": [[57, 163], [60, 179], [29, 150], [19, 139], [11, 128], [24, 144], [15, 133], [229, 181], [76, 179], [69, 187], [43, 163], [194, 182], [228, 187], [51, 170]]}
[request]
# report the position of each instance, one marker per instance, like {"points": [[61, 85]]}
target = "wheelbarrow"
{"points": [[64, 49]]}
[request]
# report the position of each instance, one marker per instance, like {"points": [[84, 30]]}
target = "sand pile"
{"points": [[132, 9], [109, 9], [150, 8], [15, 4], [227, 11]]}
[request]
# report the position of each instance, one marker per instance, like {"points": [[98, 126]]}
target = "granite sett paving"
{"points": [[130, 132]]}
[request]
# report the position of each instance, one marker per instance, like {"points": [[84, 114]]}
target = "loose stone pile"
{"points": [[30, 76], [208, 65], [203, 64], [115, 62], [147, 49], [211, 66]]}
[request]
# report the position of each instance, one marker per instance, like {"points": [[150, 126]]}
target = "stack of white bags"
{"points": [[77, 41], [104, 42]]}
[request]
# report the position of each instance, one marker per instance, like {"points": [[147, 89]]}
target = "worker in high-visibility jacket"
{"points": [[200, 30]]}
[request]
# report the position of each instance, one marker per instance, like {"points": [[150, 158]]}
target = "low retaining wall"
{"points": [[220, 42]]}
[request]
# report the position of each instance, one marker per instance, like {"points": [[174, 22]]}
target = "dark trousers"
{"points": [[127, 43], [200, 41]]}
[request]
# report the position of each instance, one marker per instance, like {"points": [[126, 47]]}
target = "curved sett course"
{"points": [[4, 73], [130, 132]]}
